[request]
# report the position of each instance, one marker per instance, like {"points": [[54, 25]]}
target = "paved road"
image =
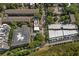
{"points": [[0, 21], [43, 21], [63, 41]]}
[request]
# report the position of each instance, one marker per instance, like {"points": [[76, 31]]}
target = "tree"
{"points": [[1, 8], [11, 6], [40, 8], [73, 8], [65, 4], [39, 37], [64, 18], [68, 49], [38, 13], [14, 24], [77, 18], [50, 19], [34, 44], [50, 11], [38, 40]]}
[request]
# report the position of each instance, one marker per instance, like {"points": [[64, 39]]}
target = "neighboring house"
{"points": [[72, 18], [4, 32], [36, 25], [17, 19], [21, 12], [19, 15], [21, 36], [60, 33]]}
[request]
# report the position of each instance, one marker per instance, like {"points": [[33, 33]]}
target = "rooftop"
{"points": [[21, 36], [70, 32], [72, 18], [36, 28], [60, 33], [21, 11], [54, 26], [64, 26], [16, 18], [36, 25], [69, 26], [57, 31], [4, 29]]}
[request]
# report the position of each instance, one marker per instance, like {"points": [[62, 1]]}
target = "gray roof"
{"points": [[16, 18], [21, 11], [64, 26], [72, 18], [25, 32], [55, 30], [61, 33]]}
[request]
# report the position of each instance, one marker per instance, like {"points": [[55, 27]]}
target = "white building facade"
{"points": [[4, 32]]}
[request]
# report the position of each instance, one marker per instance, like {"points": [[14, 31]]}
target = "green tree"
{"points": [[73, 8], [65, 4], [77, 18], [40, 8], [50, 19], [1, 8], [50, 11], [65, 18], [34, 44], [38, 40], [39, 37], [14, 24], [11, 6]]}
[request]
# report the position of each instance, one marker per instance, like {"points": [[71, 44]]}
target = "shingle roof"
{"points": [[21, 11], [16, 18]]}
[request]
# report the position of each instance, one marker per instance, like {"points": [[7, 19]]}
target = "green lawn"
{"points": [[67, 49]]}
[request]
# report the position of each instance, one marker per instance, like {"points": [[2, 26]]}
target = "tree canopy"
{"points": [[72, 8], [50, 19], [39, 38]]}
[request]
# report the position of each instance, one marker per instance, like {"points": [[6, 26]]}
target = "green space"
{"points": [[66, 49], [74, 9], [37, 41], [64, 18]]}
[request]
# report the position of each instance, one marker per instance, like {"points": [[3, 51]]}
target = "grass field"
{"points": [[67, 49]]}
